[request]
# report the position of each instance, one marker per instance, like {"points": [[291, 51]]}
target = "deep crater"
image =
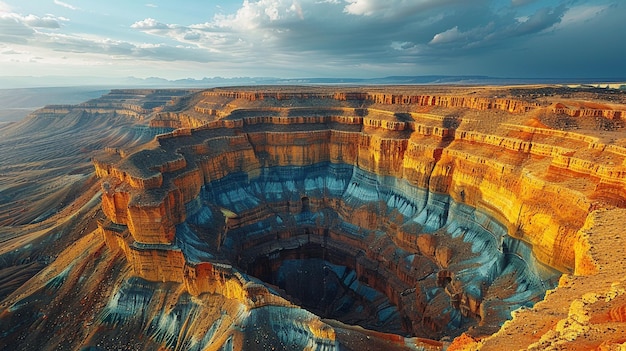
{"points": [[367, 249], [403, 223], [391, 208]]}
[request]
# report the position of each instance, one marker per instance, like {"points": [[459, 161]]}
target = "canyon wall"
{"points": [[322, 218], [491, 175], [479, 103], [515, 176], [217, 104]]}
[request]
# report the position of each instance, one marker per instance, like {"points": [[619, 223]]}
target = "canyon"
{"points": [[409, 217]]}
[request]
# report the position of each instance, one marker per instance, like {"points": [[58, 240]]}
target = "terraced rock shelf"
{"points": [[350, 218]]}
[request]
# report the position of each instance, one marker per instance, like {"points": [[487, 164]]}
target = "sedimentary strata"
{"points": [[278, 217], [328, 182]]}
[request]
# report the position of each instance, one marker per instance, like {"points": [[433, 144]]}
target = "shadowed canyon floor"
{"points": [[322, 218]]}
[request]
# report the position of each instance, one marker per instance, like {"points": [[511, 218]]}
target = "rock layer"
{"points": [[408, 211], [410, 182]]}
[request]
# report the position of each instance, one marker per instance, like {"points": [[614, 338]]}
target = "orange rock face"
{"points": [[518, 175], [415, 214], [480, 169]]}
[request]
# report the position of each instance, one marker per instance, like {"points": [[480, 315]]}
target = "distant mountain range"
{"points": [[390, 80], [9, 82]]}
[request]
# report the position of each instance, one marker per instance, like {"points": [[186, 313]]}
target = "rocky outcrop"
{"points": [[586, 110], [469, 176], [330, 218], [478, 103], [219, 103], [424, 188]]}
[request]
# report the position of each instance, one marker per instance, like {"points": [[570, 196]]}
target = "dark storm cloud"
{"points": [[588, 43], [542, 19], [498, 30]]}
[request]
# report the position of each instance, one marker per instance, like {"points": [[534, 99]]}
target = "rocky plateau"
{"points": [[317, 218]]}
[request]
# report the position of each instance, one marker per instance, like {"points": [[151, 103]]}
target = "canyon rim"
{"points": [[317, 218]]}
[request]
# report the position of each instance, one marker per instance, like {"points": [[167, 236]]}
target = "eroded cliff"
{"points": [[453, 191], [413, 213]]}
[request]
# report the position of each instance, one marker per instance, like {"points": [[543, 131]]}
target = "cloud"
{"points": [[542, 19], [192, 36], [12, 21], [204, 35], [262, 14], [150, 24], [448, 36], [516, 3], [356, 32], [47, 21], [367, 7], [120, 49], [66, 5], [335, 37], [498, 31], [588, 47], [152, 5], [401, 46], [15, 28], [582, 13], [12, 52], [297, 9], [256, 27], [45, 33], [14, 31], [395, 8], [4, 7]]}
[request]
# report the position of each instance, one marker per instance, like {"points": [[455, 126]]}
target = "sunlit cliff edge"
{"points": [[456, 205]]}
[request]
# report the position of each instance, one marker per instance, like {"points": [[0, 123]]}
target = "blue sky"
{"points": [[313, 38]]}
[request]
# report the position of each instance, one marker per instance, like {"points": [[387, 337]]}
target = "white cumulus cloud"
{"points": [[451, 35], [44, 22], [149, 24]]}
